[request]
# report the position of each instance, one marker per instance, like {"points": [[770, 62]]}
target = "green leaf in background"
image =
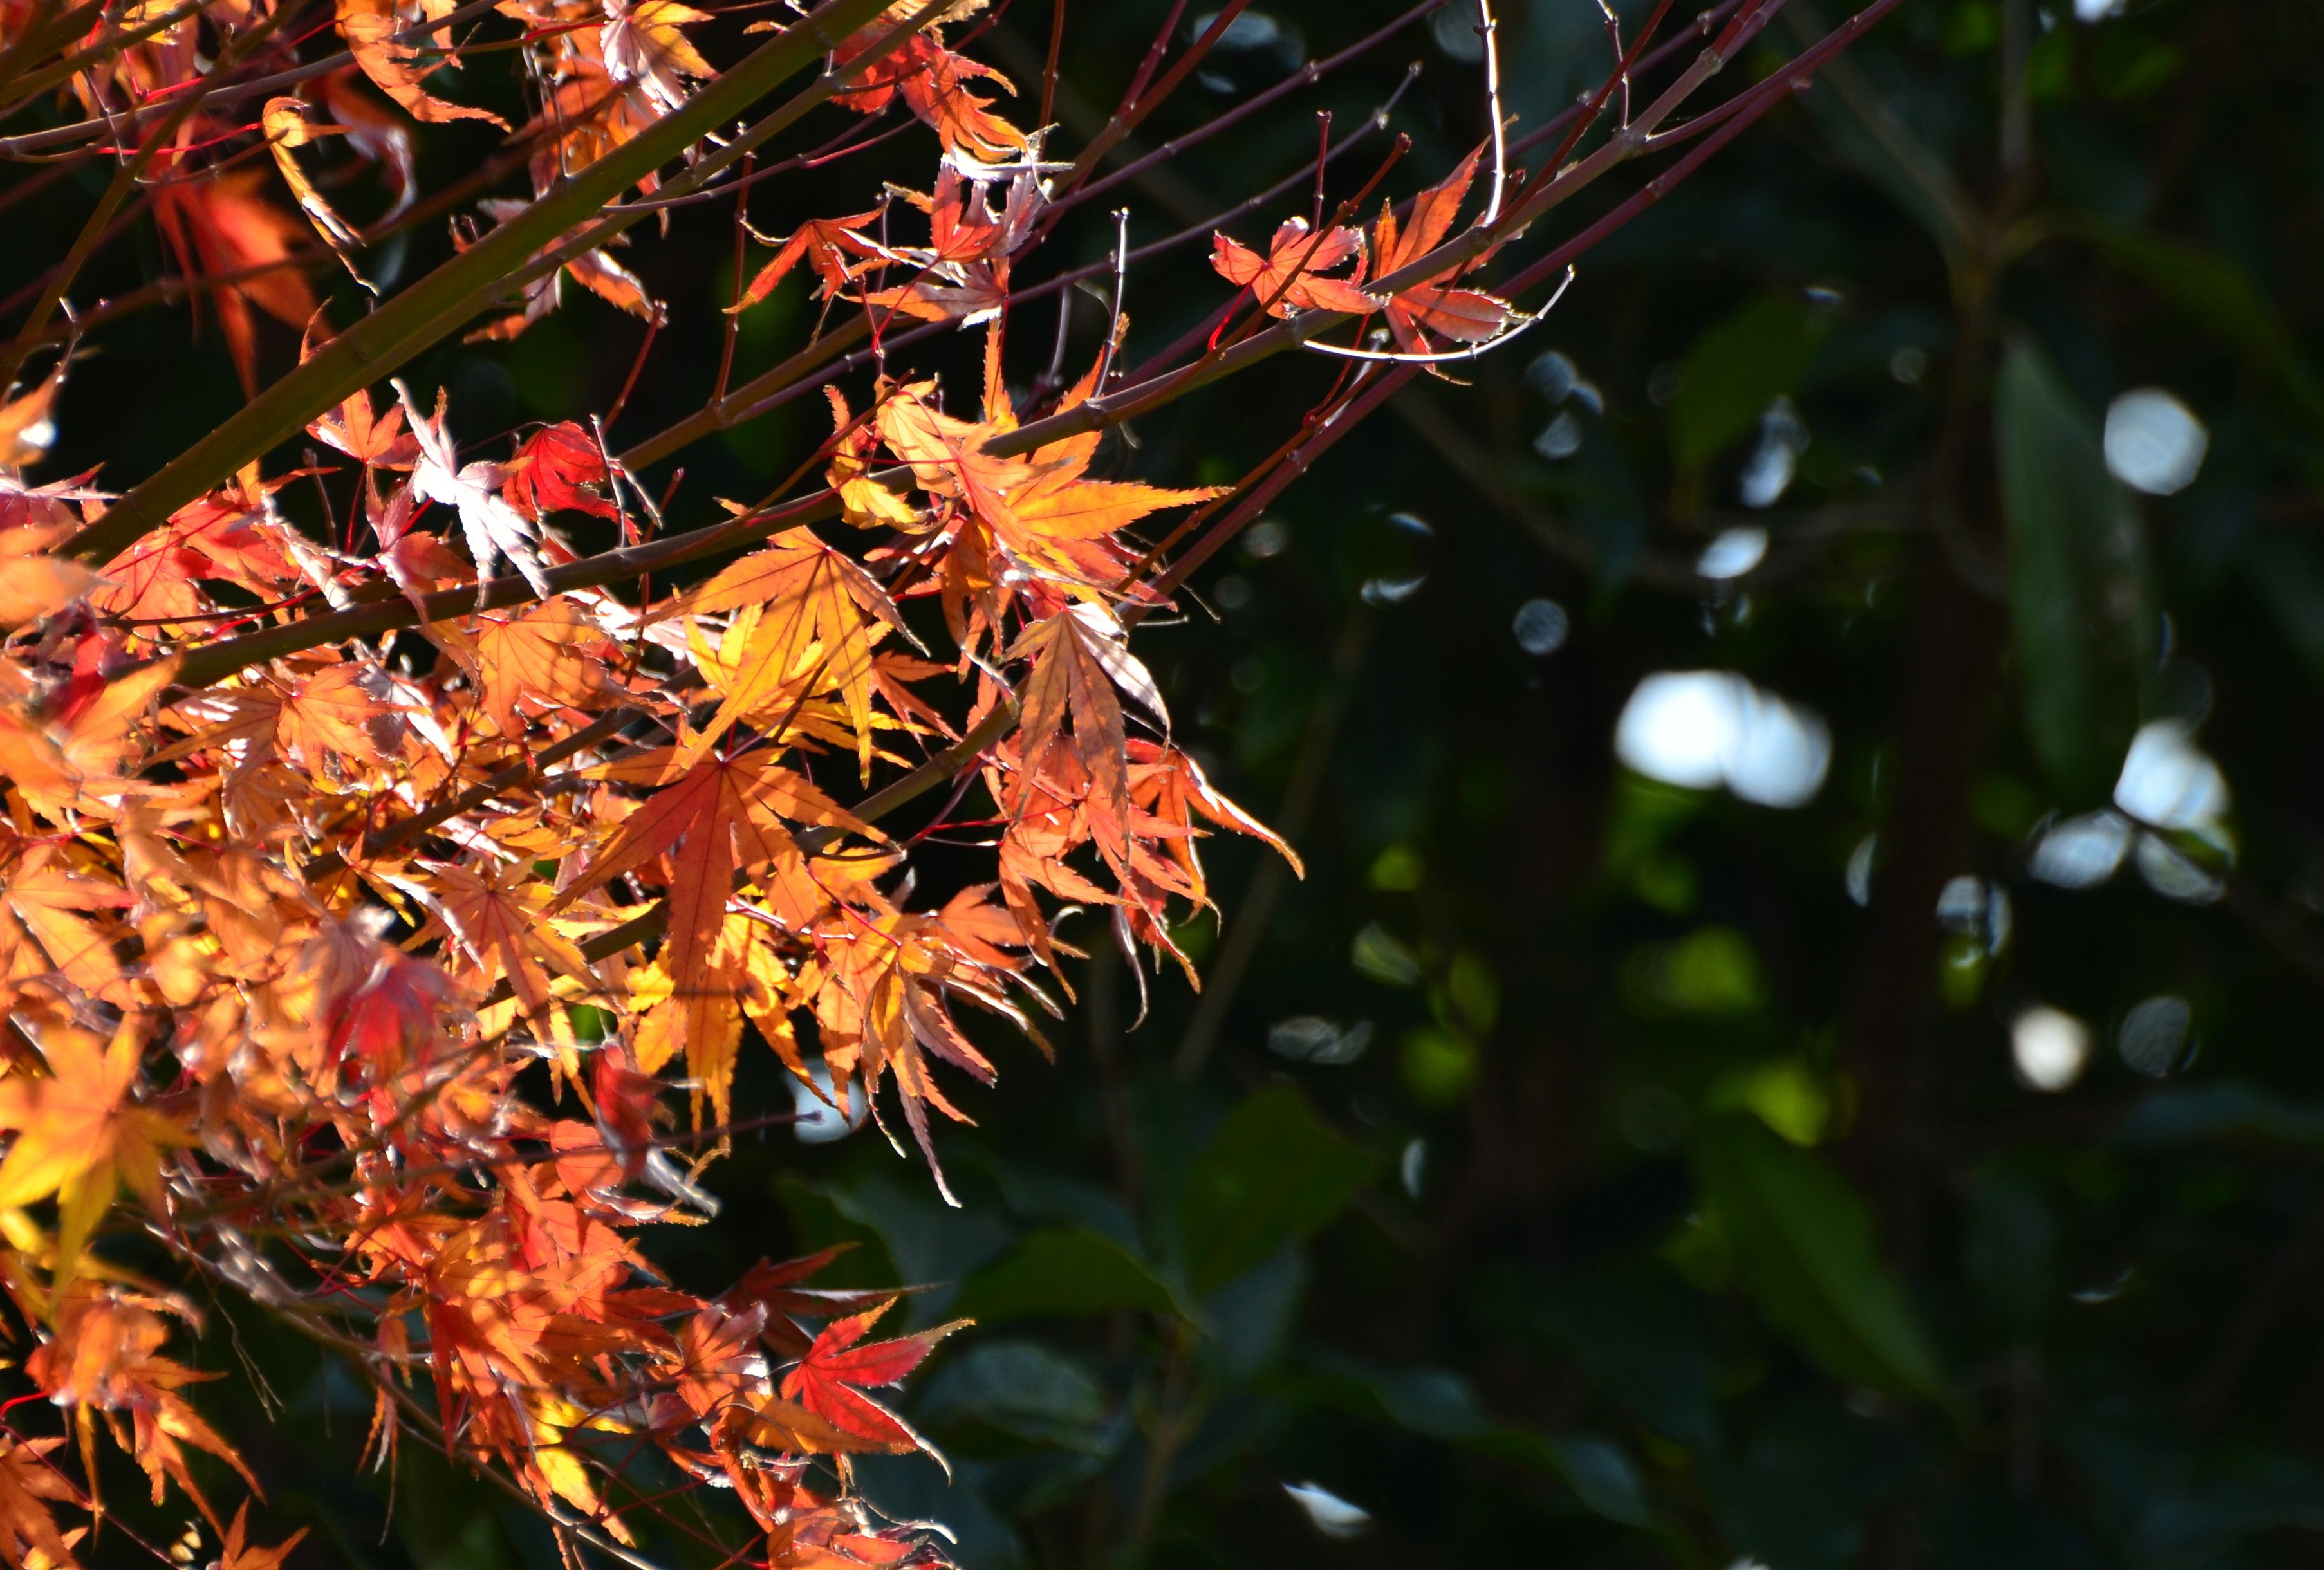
{"points": [[1026, 1388], [1603, 1476], [1634, 1331], [1071, 1272], [911, 1238], [1735, 371], [2224, 300], [1599, 1471], [1274, 1172], [2081, 593], [1802, 1244], [2224, 1110], [1441, 1404], [2009, 1245], [1800, 1491]]}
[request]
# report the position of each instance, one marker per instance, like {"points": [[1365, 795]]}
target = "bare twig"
{"points": [[1489, 30]]}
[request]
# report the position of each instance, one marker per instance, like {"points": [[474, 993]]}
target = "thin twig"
{"points": [[1307, 76], [1120, 288], [1490, 30], [1049, 66], [1621, 69]]}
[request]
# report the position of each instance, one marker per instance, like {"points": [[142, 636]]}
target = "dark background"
{"points": [[1675, 1205]]}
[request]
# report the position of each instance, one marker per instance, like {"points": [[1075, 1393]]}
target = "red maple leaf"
{"points": [[830, 1379], [552, 468]]}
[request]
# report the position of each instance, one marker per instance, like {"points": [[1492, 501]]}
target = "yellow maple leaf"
{"points": [[77, 1134]]}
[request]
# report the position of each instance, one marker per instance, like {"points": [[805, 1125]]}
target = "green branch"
{"points": [[434, 306]]}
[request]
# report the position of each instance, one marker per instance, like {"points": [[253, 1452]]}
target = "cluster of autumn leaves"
{"points": [[364, 977]]}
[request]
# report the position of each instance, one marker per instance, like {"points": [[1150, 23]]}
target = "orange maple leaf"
{"points": [[220, 226], [1465, 315], [35, 582], [824, 243], [552, 655], [642, 44], [934, 83], [594, 271], [369, 27], [710, 817], [339, 712], [499, 917], [1289, 277], [815, 625], [237, 1553], [103, 1354], [29, 1480], [48, 897], [1079, 657]]}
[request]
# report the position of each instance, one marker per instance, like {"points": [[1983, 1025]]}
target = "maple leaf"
{"points": [[1465, 315], [102, 1355], [219, 225], [1079, 657], [285, 124], [69, 755], [49, 506], [962, 225], [826, 244], [963, 271], [773, 1423], [628, 1103], [880, 998], [494, 528], [864, 501], [377, 133], [552, 654], [553, 469], [934, 83], [340, 712], [1042, 506], [499, 917], [375, 441], [830, 1379], [28, 1483], [1060, 503], [710, 816], [35, 582], [48, 898], [742, 976], [1289, 278], [369, 28], [587, 116], [381, 1017], [77, 1136], [641, 43], [948, 291], [815, 625], [28, 426], [718, 1357], [233, 534], [237, 1553], [778, 1290], [593, 270], [1170, 786]]}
